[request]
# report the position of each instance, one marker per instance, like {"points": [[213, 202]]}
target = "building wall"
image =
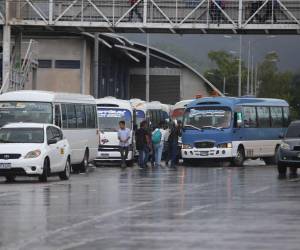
{"points": [[192, 85], [62, 79]]}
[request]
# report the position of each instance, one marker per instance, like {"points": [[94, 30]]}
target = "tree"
{"points": [[226, 65], [274, 84]]}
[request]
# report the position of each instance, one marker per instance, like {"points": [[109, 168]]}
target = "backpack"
{"points": [[156, 137]]}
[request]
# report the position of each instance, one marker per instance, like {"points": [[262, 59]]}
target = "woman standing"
{"points": [[158, 139]]}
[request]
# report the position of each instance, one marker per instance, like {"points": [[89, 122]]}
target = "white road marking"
{"points": [[194, 209], [255, 191]]}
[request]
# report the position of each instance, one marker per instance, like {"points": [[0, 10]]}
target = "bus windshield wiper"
{"points": [[191, 126], [212, 127]]}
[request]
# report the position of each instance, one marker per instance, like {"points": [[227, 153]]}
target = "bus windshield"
{"points": [[207, 117], [177, 114], [140, 116], [25, 112], [109, 118]]}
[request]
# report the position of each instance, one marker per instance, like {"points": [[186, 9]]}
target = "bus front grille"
{"points": [[205, 144]]}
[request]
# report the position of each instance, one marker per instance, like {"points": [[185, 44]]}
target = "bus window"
{"points": [[90, 116], [286, 117], [71, 113], [276, 116], [80, 116], [249, 117], [57, 115], [263, 114], [64, 116]]}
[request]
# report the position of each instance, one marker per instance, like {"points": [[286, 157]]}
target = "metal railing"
{"points": [[169, 13], [20, 71]]}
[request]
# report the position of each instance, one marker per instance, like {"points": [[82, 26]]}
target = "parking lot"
{"points": [[183, 208]]}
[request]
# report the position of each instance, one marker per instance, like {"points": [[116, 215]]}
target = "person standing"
{"points": [[134, 10], [158, 143], [173, 142], [143, 143], [124, 135]]}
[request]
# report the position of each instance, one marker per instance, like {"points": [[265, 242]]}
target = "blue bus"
{"points": [[234, 129]]}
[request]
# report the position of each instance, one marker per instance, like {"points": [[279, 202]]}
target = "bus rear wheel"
{"points": [[238, 161], [85, 162]]}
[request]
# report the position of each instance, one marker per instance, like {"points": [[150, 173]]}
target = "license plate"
{"points": [[5, 165], [104, 156], [203, 153]]}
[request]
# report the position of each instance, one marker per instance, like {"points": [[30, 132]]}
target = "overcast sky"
{"points": [[198, 46]]}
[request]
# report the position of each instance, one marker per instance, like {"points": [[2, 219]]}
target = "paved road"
{"points": [[188, 208]]}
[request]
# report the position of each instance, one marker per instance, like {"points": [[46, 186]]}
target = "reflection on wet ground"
{"points": [[186, 208]]}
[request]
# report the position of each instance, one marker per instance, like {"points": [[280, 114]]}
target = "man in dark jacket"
{"points": [[134, 10], [143, 144], [175, 133]]}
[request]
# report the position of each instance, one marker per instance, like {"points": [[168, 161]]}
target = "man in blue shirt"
{"points": [[124, 135]]}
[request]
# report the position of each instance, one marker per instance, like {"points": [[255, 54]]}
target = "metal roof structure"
{"points": [[176, 16], [137, 51]]}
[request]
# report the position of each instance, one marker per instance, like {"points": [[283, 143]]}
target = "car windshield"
{"points": [[293, 131], [21, 135], [109, 118], [25, 112], [207, 117]]}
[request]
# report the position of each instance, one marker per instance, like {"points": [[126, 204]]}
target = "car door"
{"points": [[53, 150], [61, 148]]}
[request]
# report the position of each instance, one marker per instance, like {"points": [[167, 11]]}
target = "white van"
{"points": [[110, 112], [74, 113]]}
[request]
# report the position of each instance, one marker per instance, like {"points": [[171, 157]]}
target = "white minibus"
{"points": [[110, 112], [74, 113]]}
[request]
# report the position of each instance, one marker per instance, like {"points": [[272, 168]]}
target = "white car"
{"points": [[32, 149]]}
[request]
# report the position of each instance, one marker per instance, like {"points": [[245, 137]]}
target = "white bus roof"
{"points": [[46, 96], [182, 104], [123, 104]]}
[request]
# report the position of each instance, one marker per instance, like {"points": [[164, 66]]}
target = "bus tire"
{"points": [[85, 162], [65, 175], [10, 178], [238, 161], [46, 171], [282, 170]]}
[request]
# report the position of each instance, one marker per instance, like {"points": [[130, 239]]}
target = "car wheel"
{"points": [[46, 167], [238, 161], [85, 162], [10, 178], [65, 175], [293, 172]]}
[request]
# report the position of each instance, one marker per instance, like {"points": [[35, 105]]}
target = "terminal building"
{"points": [[108, 65]]}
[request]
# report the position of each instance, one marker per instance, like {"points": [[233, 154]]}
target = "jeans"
{"points": [[174, 148], [143, 156], [158, 148], [124, 154]]}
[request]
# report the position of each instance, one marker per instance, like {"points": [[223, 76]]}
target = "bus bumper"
{"points": [[105, 156], [207, 153]]}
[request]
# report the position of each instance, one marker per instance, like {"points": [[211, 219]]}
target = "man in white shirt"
{"points": [[124, 135]]}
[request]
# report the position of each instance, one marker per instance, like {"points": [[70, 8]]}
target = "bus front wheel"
{"points": [[240, 157]]}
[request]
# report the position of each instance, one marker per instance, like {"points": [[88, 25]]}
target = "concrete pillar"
{"points": [[6, 53], [96, 66], [18, 50], [82, 66], [34, 78]]}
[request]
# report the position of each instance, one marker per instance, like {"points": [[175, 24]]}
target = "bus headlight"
{"points": [[285, 146], [186, 146], [225, 145], [33, 154]]}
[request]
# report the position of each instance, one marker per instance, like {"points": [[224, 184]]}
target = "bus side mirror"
{"points": [[281, 135]]}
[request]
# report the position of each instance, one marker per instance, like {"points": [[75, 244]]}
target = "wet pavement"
{"points": [[187, 208]]}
